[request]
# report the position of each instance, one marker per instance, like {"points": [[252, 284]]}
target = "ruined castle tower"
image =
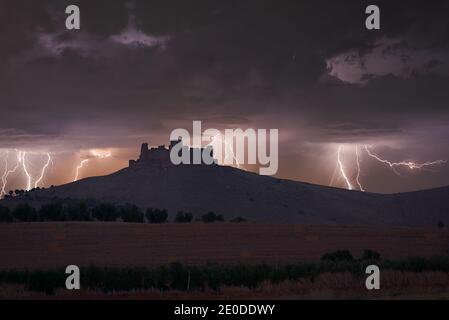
{"points": [[144, 152], [160, 156]]}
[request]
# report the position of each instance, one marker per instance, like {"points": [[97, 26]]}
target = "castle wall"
{"points": [[159, 156]]}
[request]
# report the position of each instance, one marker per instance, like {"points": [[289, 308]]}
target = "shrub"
{"points": [[24, 212], [19, 192], [338, 256], [440, 224], [131, 213], [5, 214], [211, 217], [370, 255], [46, 281], [52, 212], [156, 215], [105, 212], [77, 211], [183, 217], [179, 276]]}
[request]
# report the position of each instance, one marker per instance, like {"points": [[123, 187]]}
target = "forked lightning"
{"points": [[393, 165]]}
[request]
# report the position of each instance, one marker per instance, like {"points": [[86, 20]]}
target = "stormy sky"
{"points": [[139, 69]]}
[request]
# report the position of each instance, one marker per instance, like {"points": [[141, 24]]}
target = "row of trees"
{"points": [[80, 211], [20, 192]]}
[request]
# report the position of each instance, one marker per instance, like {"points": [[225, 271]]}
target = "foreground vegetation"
{"points": [[73, 210], [188, 278]]}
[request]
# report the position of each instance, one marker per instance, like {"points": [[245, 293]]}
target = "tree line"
{"points": [[80, 211], [21, 192]]}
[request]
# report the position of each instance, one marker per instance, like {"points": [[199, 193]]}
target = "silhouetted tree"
{"points": [[24, 212], [211, 217], [131, 213], [183, 217], [156, 215], [105, 212], [5, 214], [52, 212], [77, 211], [440, 224]]}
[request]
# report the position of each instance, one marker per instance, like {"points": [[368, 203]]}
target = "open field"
{"points": [[50, 245]]}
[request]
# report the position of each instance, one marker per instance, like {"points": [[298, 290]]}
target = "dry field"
{"points": [[48, 245]]}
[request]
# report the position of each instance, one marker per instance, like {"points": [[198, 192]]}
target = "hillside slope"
{"points": [[233, 192]]}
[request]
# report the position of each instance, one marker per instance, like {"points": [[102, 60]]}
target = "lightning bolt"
{"points": [[95, 154], [44, 168], [99, 155], [227, 148], [22, 162], [409, 164], [5, 176], [358, 168], [80, 166], [342, 169], [25, 170], [393, 165], [8, 172]]}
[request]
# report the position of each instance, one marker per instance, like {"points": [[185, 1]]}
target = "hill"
{"points": [[237, 193]]}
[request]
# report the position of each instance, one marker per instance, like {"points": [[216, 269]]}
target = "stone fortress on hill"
{"points": [[160, 156]]}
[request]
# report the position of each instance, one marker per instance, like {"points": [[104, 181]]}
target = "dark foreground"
{"points": [[218, 261]]}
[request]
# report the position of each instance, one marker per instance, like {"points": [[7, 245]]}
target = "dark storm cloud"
{"points": [[136, 69], [205, 57]]}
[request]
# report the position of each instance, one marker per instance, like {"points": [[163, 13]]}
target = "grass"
{"points": [[181, 277]]}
